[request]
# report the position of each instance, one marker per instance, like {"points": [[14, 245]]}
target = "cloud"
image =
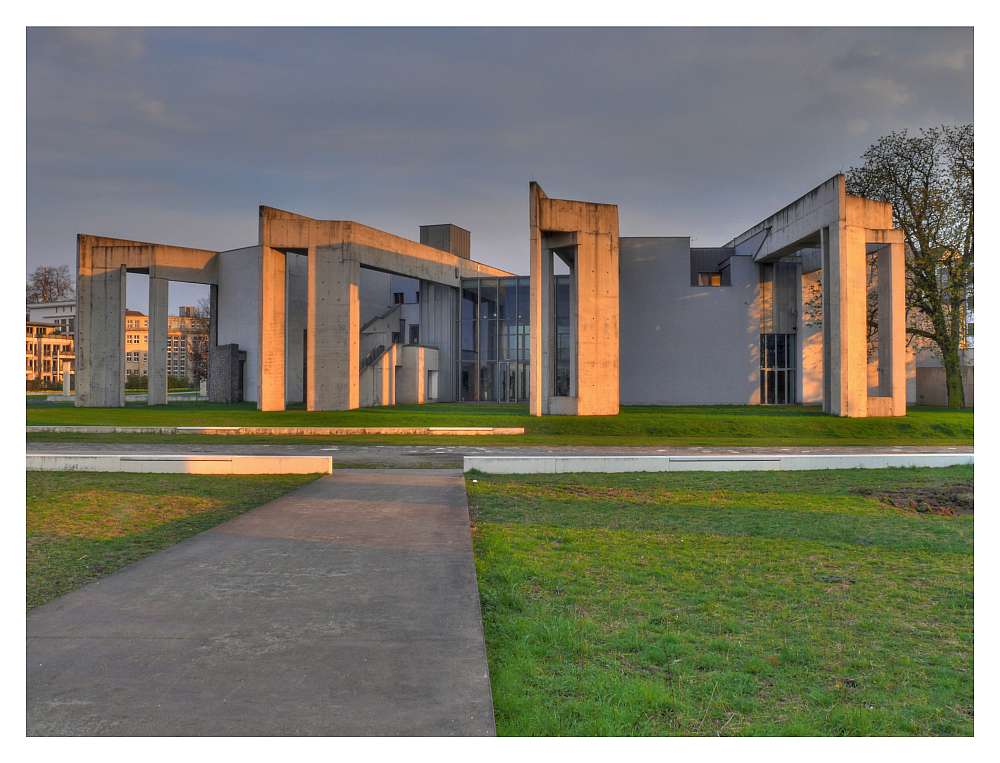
{"points": [[690, 131]]}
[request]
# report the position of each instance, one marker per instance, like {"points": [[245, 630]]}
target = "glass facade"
{"points": [[494, 331]]}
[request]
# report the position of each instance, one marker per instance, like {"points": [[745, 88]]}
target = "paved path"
{"points": [[348, 607], [450, 456]]}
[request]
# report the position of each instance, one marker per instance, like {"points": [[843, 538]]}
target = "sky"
{"points": [[177, 135]]}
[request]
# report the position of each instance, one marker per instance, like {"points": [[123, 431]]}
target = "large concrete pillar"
{"points": [[333, 329], [159, 289], [845, 308], [892, 326], [100, 326], [271, 395]]}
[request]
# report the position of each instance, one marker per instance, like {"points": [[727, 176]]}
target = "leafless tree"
{"points": [[198, 346], [49, 284]]}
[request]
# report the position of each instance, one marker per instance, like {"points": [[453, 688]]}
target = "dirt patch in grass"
{"points": [[944, 500]]}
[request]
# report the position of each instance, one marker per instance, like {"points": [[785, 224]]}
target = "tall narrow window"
{"points": [[777, 369]]}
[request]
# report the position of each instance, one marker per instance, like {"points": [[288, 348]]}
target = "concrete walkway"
{"points": [[348, 607]]}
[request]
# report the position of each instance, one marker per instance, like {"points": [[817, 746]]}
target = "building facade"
{"points": [[187, 345], [336, 315], [49, 354]]}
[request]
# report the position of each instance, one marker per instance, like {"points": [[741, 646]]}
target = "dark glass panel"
{"points": [[488, 298], [507, 298], [523, 300], [468, 329], [470, 299]]}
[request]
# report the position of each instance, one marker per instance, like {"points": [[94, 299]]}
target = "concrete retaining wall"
{"points": [[180, 464], [321, 431], [501, 464]]}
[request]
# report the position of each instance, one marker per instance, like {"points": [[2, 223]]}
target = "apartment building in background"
{"points": [[48, 354], [50, 334], [187, 345]]}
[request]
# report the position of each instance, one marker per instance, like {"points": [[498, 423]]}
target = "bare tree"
{"points": [[928, 179], [49, 284], [198, 344]]}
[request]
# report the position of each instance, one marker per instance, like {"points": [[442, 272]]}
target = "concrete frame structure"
{"points": [[289, 310], [336, 251], [101, 265], [845, 230], [585, 236]]}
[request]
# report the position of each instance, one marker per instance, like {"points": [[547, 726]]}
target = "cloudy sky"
{"points": [[177, 135]]}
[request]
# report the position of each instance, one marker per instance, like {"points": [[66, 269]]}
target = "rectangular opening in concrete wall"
{"points": [[390, 320], [877, 374], [188, 323], [136, 332]]}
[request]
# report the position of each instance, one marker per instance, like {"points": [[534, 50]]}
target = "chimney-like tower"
{"points": [[447, 237]]}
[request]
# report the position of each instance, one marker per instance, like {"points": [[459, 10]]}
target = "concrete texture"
{"points": [[586, 235], [159, 290], [504, 464], [178, 464], [348, 607], [845, 230], [452, 456], [297, 431], [239, 303], [682, 344], [337, 250], [101, 265]]}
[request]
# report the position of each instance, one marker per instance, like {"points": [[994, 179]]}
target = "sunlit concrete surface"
{"points": [[178, 463]]}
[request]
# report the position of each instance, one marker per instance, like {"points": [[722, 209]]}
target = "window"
{"points": [[777, 369], [414, 334], [710, 279], [395, 337], [398, 298]]}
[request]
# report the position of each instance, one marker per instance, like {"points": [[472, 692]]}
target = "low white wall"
{"points": [[180, 464], [501, 464]]}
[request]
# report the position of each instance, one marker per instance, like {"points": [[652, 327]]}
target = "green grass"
{"points": [[82, 526], [777, 603], [636, 425]]}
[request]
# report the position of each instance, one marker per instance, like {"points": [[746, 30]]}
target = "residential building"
{"points": [[48, 353]]}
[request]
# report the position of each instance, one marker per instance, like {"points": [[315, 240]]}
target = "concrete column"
{"points": [[827, 363], [157, 340], [271, 395], [100, 326], [892, 326], [541, 284], [333, 332], [847, 303], [67, 378]]}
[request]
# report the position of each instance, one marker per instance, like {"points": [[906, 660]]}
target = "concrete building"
{"points": [[337, 315]]}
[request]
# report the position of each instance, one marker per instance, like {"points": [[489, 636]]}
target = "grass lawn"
{"points": [[768, 603], [636, 425], [82, 526]]}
